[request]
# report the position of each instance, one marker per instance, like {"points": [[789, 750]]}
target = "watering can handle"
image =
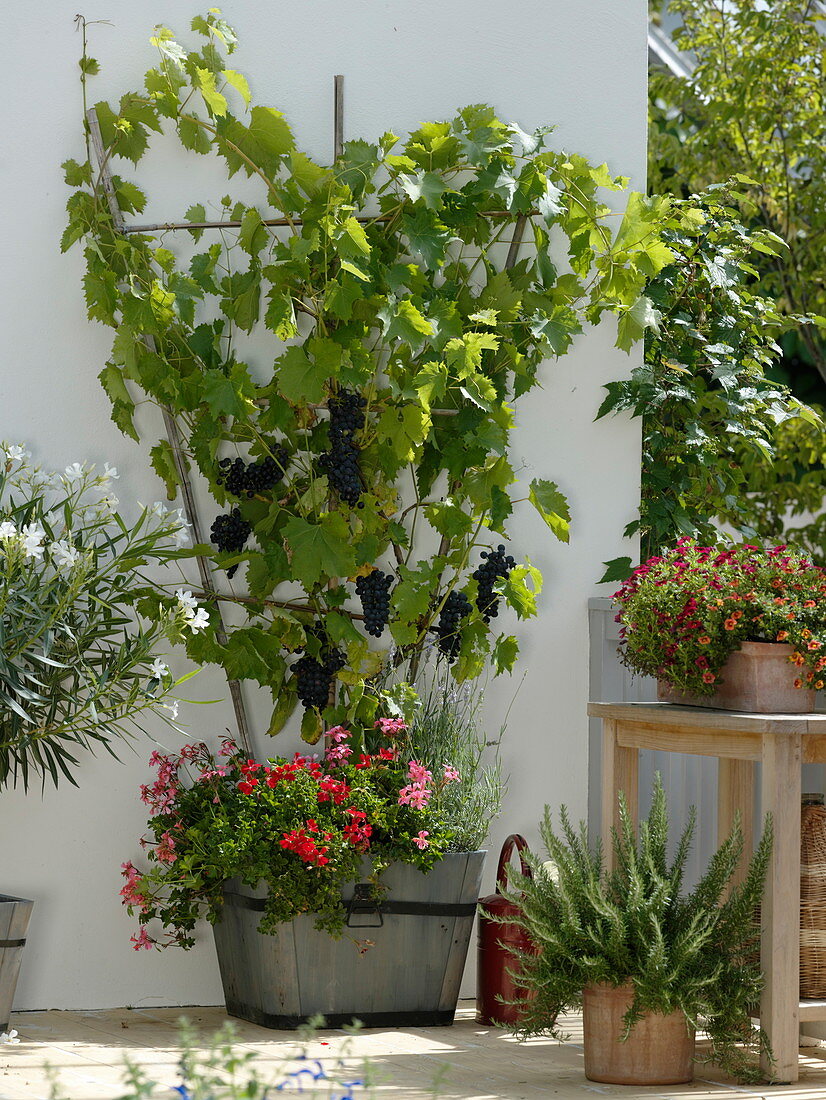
{"points": [[521, 845]]}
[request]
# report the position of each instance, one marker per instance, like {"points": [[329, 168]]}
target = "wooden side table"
{"points": [[781, 742]]}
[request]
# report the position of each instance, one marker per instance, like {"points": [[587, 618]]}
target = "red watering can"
{"points": [[496, 945]]}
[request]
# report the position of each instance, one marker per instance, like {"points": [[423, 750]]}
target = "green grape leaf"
{"points": [[285, 703], [253, 234], [279, 316], [312, 726], [205, 81], [427, 236], [299, 378], [427, 186], [239, 83], [552, 506], [449, 519], [520, 589], [505, 652], [320, 551], [163, 462], [403, 321]]}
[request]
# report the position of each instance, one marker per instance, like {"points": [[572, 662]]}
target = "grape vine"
{"points": [[397, 339]]}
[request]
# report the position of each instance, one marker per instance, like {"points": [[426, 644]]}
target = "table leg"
{"points": [[780, 945], [620, 772], [735, 793]]}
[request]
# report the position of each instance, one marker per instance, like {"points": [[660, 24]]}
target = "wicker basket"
{"points": [[813, 901]]}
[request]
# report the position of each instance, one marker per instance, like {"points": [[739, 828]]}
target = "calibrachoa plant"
{"points": [[302, 826], [684, 613]]}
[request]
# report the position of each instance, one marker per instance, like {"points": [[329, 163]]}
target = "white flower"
{"points": [[75, 472], [181, 530], [64, 553], [198, 621], [186, 600], [159, 669], [158, 508], [33, 535], [111, 472], [9, 1037], [108, 504], [15, 454], [172, 708], [8, 530]]}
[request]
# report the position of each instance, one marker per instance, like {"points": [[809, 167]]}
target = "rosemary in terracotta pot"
{"points": [[648, 962], [687, 613]]}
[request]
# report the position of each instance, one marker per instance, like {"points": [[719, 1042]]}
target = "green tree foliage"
{"points": [[695, 952], [709, 409], [391, 275], [754, 107]]}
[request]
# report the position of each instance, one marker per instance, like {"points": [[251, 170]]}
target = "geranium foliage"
{"points": [[402, 327]]}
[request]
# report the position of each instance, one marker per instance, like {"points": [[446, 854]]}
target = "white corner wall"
{"points": [[580, 66]]}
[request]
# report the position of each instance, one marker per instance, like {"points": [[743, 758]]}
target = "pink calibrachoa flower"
{"points": [[142, 940], [390, 726], [421, 840], [165, 850], [451, 774]]}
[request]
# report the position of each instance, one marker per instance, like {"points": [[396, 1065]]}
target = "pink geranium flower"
{"points": [[414, 795], [142, 940], [421, 841], [418, 773]]}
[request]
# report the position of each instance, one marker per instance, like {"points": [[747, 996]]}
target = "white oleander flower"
{"points": [[157, 508], [111, 472], [75, 472], [159, 669], [9, 1037], [8, 530], [173, 708], [186, 599], [33, 536], [64, 554], [198, 621], [108, 504], [181, 531], [15, 453]]}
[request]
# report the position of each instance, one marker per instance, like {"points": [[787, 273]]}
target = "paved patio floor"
{"points": [[473, 1062]]}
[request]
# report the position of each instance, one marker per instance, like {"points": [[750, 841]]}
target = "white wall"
{"points": [[581, 66]]}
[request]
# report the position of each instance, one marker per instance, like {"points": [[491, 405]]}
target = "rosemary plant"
{"points": [[696, 952]]}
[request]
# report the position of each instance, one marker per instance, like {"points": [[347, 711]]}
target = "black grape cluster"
{"points": [[455, 608], [230, 532], [374, 593], [340, 463], [313, 677], [498, 564], [241, 478]]}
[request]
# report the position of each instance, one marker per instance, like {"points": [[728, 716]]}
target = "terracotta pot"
{"points": [[758, 679], [659, 1049]]}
